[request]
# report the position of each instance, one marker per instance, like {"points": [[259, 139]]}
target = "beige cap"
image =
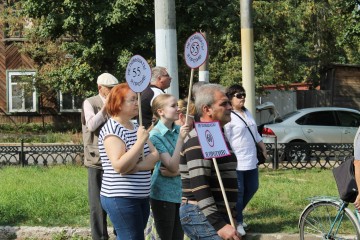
{"points": [[107, 80]]}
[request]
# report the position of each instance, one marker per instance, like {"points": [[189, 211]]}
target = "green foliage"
{"points": [[81, 39], [36, 128], [72, 42], [38, 133]]}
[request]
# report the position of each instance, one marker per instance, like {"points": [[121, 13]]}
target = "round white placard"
{"points": [[196, 50], [138, 73]]}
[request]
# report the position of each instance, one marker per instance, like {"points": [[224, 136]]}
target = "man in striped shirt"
{"points": [[203, 212]]}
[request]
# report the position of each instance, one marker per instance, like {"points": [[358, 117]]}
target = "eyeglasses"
{"points": [[165, 75], [131, 101], [240, 95]]}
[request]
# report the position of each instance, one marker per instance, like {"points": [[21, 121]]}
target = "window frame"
{"points": [[10, 87], [60, 98]]}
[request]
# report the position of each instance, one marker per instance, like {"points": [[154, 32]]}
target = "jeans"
{"points": [[128, 216], [167, 220], [97, 214], [195, 224], [248, 184]]}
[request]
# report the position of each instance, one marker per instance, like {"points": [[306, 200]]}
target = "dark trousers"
{"points": [[248, 184], [97, 214], [167, 219]]}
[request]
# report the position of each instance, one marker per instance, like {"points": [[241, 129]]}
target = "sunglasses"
{"points": [[240, 95]]}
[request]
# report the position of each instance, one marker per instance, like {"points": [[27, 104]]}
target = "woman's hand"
{"points": [[142, 134], [184, 131]]}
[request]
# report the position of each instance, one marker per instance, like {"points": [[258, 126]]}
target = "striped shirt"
{"points": [[200, 182], [136, 185]]}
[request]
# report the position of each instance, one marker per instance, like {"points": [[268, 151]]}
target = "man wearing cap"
{"points": [[93, 117], [160, 80]]}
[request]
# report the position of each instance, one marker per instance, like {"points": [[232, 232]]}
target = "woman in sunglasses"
{"points": [[243, 144]]}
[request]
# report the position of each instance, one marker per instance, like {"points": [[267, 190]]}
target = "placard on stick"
{"points": [[138, 74], [196, 50], [213, 146], [211, 140]]}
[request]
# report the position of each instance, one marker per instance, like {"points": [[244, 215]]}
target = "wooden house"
{"points": [[343, 83], [20, 102]]}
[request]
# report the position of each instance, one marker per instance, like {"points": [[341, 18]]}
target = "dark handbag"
{"points": [[259, 154], [344, 176]]}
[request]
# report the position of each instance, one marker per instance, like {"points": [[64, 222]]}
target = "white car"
{"points": [[314, 125], [311, 125]]}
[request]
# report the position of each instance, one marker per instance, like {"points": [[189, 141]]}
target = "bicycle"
{"points": [[329, 218]]}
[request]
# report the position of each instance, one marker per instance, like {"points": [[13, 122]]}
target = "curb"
{"points": [[49, 233]]}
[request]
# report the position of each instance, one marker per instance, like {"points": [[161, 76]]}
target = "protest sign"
{"points": [[213, 146], [196, 50], [138, 74], [211, 140]]}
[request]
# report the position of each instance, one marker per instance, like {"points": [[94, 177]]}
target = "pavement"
{"points": [[50, 233]]}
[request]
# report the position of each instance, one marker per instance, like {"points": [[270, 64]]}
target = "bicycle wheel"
{"points": [[318, 219]]}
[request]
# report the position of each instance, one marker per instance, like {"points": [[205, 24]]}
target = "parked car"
{"points": [[314, 125]]}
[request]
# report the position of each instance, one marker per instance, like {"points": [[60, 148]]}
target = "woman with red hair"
{"points": [[125, 185]]}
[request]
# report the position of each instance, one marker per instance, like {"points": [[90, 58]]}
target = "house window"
{"points": [[21, 91], [69, 102]]}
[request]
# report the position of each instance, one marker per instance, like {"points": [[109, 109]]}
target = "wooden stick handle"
{"points": [[140, 120], [189, 95], [223, 193]]}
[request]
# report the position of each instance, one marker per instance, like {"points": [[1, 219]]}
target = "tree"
{"points": [[72, 42]]}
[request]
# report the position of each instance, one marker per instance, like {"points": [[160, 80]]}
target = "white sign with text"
{"points": [[196, 50], [211, 140], [138, 74]]}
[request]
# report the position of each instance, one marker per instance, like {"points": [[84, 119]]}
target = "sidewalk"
{"points": [[45, 233]]}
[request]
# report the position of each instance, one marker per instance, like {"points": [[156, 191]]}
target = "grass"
{"points": [[277, 205], [57, 196], [39, 196]]}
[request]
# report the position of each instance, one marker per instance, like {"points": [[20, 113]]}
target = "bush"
{"points": [[38, 133]]}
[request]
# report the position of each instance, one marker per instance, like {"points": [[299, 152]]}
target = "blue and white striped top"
{"points": [[136, 185]]}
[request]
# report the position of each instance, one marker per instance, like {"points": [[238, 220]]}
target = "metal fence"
{"points": [[41, 154], [307, 155], [281, 156]]}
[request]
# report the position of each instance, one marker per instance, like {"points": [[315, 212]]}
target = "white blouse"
{"points": [[241, 140]]}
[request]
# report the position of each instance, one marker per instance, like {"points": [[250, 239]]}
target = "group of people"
{"points": [[160, 165]]}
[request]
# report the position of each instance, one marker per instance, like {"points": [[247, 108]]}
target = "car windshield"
{"points": [[286, 116]]}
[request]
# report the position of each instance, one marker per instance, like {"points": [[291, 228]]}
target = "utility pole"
{"points": [[204, 69], [247, 54], [165, 40]]}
